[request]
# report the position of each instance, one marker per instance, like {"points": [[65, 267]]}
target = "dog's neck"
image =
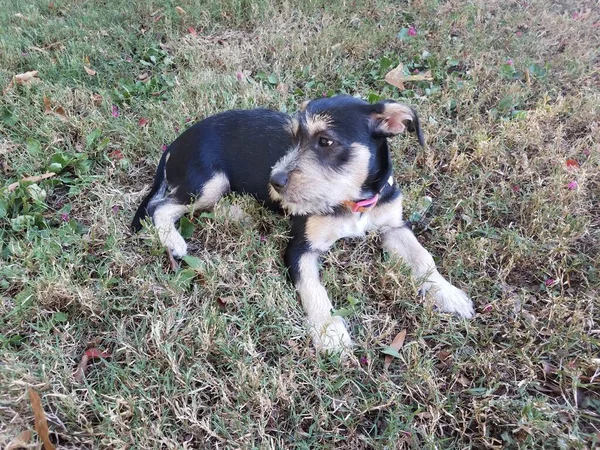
{"points": [[377, 182], [369, 203]]}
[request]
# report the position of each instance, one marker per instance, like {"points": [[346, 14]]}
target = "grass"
{"points": [[217, 356]]}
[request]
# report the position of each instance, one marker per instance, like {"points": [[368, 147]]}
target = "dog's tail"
{"points": [[158, 189]]}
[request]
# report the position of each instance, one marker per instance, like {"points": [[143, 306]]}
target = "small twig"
{"points": [[34, 179], [172, 262]]}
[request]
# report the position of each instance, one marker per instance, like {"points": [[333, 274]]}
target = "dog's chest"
{"points": [[323, 231], [355, 226]]}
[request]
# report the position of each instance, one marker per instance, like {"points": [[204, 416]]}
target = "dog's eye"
{"points": [[324, 142]]}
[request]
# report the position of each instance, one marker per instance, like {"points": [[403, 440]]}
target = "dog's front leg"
{"points": [[328, 332], [448, 298]]}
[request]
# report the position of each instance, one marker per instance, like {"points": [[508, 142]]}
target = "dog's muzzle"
{"points": [[279, 181]]}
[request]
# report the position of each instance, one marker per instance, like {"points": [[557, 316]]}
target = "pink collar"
{"points": [[364, 205]]}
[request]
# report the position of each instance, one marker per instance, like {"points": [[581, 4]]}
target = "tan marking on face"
{"points": [[394, 118], [317, 189], [317, 124]]}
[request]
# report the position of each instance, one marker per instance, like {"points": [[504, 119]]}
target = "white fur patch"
{"points": [[328, 333], [167, 214], [332, 337], [164, 219], [450, 299]]}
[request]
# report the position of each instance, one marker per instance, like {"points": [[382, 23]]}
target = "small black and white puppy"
{"points": [[329, 167]]}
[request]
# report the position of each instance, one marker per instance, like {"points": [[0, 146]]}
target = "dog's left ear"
{"points": [[390, 118]]}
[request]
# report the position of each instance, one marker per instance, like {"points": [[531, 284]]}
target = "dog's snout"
{"points": [[279, 180]]}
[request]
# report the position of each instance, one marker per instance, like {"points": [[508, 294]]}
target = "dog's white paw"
{"points": [[174, 242], [332, 337], [450, 299]]}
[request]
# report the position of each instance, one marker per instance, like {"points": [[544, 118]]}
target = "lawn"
{"points": [[215, 354]]}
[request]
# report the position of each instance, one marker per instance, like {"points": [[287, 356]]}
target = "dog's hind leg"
{"points": [[166, 211]]}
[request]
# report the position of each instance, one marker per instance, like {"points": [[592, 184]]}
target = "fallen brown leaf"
{"points": [[23, 78], [58, 110], [96, 99], [396, 344], [89, 71], [180, 10], [396, 77], [20, 441], [48, 107], [282, 88], [41, 424], [88, 355], [34, 179], [443, 355], [222, 302]]}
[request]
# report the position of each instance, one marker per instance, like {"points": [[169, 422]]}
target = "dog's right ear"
{"points": [[303, 105], [391, 118]]}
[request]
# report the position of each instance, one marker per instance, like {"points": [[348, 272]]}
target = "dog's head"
{"points": [[340, 153]]}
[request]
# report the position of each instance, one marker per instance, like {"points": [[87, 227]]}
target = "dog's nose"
{"points": [[279, 180]]}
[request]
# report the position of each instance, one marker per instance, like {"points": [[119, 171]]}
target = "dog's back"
{"points": [[237, 148]]}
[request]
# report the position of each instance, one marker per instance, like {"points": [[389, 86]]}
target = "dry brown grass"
{"points": [[225, 361]]}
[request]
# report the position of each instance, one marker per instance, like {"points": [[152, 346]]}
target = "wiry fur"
{"points": [[334, 153]]}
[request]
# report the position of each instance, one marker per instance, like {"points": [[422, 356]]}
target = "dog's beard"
{"points": [[317, 189]]}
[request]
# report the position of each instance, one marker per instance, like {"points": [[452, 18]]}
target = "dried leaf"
{"points": [[116, 154], [60, 111], [396, 344], [282, 88], [34, 179], [89, 71], [88, 355], [443, 355], [23, 78], [180, 10], [222, 302], [20, 441], [95, 353], [41, 424], [142, 76], [548, 368], [96, 99], [396, 77], [47, 107]]}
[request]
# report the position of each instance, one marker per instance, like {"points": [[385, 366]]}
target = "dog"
{"points": [[329, 168]]}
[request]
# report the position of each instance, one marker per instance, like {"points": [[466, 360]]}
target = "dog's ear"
{"points": [[390, 118], [303, 105]]}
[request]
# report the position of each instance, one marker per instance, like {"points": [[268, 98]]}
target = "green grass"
{"points": [[218, 357]]}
